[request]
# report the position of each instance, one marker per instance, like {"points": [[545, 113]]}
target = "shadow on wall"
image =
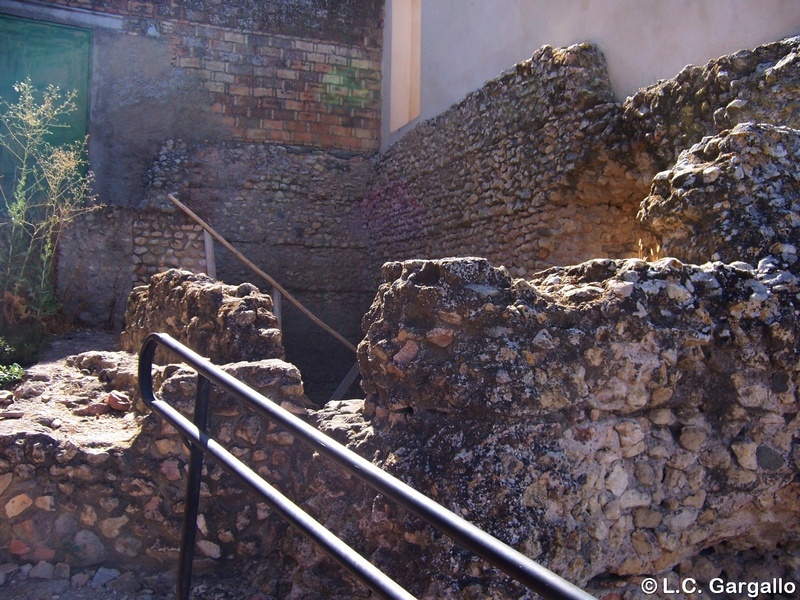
{"points": [[144, 100]]}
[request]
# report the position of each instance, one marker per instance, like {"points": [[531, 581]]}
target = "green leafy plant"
{"points": [[11, 374], [51, 186]]}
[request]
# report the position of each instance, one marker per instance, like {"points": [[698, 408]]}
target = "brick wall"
{"points": [[288, 72], [281, 89]]}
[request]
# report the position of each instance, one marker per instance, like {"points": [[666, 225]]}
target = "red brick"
{"points": [[238, 38], [296, 126], [259, 135], [341, 131], [214, 65], [303, 138], [309, 96], [43, 553], [223, 77], [330, 119], [215, 86], [320, 129], [337, 60], [237, 111], [271, 103], [325, 48], [189, 63], [222, 46], [239, 90], [260, 92], [17, 546], [271, 124], [246, 101], [299, 65], [261, 113], [294, 105], [323, 68], [279, 135], [303, 45], [284, 115], [294, 85]]}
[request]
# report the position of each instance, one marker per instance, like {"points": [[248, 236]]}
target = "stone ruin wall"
{"points": [[98, 482], [529, 171], [616, 419], [297, 214], [692, 422], [105, 253], [543, 167]]}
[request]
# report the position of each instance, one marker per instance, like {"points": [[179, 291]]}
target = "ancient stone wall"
{"points": [[95, 272], [163, 241], [90, 478], [542, 166], [616, 419], [296, 213], [104, 253], [109, 491], [523, 171]]}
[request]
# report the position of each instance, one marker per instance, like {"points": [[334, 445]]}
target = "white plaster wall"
{"points": [[467, 42]]}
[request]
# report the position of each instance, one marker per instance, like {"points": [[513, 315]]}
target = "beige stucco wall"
{"points": [[467, 42]]}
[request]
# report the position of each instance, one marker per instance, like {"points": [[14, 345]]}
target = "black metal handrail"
{"points": [[513, 563]]}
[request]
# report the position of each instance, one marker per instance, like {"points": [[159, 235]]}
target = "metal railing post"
{"points": [[192, 505]]}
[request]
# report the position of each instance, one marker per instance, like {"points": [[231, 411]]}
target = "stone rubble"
{"points": [[91, 482], [221, 322]]}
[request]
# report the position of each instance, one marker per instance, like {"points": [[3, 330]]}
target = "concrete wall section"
{"points": [[139, 99], [465, 43]]}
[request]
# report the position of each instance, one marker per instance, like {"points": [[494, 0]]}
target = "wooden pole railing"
{"points": [[192, 215]]}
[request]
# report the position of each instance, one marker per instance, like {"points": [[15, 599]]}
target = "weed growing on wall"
{"points": [[49, 186], [649, 254]]}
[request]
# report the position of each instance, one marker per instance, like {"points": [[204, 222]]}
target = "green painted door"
{"points": [[47, 54]]}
